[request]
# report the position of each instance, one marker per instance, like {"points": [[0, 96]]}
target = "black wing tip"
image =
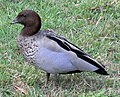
{"points": [[101, 71]]}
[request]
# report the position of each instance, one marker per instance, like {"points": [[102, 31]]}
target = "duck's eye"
{"points": [[24, 15]]}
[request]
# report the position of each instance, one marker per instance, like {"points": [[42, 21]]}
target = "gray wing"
{"points": [[83, 61]]}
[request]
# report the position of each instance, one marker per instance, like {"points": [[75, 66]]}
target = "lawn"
{"points": [[93, 25]]}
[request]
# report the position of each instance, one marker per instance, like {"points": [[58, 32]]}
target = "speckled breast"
{"points": [[28, 47]]}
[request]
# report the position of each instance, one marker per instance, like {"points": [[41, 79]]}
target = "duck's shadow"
{"points": [[83, 82]]}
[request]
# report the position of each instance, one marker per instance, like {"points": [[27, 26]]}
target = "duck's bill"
{"points": [[14, 21]]}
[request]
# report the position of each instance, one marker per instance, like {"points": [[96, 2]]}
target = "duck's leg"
{"points": [[56, 79], [47, 79], [48, 76]]}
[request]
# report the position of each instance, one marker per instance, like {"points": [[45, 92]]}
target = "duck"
{"points": [[50, 52]]}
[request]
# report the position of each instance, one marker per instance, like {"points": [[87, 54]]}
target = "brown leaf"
{"points": [[18, 85]]}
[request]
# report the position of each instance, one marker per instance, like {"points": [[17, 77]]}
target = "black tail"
{"points": [[101, 71]]}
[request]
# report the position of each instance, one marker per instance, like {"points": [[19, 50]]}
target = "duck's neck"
{"points": [[30, 30]]}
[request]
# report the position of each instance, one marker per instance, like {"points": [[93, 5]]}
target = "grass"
{"points": [[93, 25]]}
